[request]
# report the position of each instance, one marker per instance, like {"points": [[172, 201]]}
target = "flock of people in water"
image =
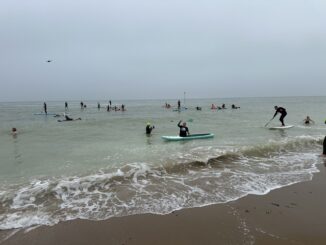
{"points": [[184, 130], [83, 106], [109, 107], [223, 107]]}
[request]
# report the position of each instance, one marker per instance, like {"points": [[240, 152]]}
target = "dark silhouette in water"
{"points": [[324, 146], [14, 132], [149, 128], [283, 113], [45, 108]]}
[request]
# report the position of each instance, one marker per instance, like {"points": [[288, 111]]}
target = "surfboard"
{"points": [[283, 127], [190, 137]]}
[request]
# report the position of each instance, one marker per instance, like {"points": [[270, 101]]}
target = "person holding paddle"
{"points": [[283, 113]]}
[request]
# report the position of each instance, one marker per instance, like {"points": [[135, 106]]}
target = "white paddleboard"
{"points": [[283, 127]]}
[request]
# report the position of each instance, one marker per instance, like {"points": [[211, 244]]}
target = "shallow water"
{"points": [[104, 165]]}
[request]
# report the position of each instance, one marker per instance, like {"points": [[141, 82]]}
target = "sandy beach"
{"points": [[291, 215]]}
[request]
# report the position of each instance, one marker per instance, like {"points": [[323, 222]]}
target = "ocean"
{"points": [[105, 166]]}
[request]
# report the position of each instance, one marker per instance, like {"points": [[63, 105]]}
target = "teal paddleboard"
{"points": [[190, 137]]}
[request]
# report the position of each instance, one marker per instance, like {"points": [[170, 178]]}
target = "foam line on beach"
{"points": [[146, 188]]}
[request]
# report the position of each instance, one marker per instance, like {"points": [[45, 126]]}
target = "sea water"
{"points": [[105, 166]]}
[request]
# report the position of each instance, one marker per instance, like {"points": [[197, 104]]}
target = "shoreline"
{"points": [[289, 215]]}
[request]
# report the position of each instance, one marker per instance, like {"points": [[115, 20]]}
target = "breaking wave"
{"points": [[181, 182]]}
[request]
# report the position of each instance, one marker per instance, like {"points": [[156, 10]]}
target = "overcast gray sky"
{"points": [[138, 49]]}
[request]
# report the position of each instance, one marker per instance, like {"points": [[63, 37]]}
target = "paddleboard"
{"points": [[190, 137], [283, 127], [180, 109], [69, 120], [47, 114]]}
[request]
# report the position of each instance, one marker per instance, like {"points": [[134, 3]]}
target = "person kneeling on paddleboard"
{"points": [[283, 113], [184, 131]]}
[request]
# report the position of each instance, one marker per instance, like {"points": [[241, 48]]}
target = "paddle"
{"points": [[269, 122]]}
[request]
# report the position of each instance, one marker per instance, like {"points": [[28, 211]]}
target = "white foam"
{"points": [[142, 188]]}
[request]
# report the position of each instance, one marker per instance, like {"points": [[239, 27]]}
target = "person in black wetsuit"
{"points": [[308, 120], [45, 108], [179, 104], [283, 113], [66, 105], [149, 129], [184, 131], [324, 146], [67, 118]]}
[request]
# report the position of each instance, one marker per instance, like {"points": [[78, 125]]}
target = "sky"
{"points": [[159, 49]]}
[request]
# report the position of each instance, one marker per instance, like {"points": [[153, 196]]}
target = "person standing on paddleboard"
{"points": [[184, 131], [45, 108], [283, 113]]}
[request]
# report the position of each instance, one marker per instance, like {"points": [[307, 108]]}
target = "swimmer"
{"points": [[14, 132], [67, 118], [308, 120]]}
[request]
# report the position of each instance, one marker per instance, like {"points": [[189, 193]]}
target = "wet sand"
{"points": [[291, 215]]}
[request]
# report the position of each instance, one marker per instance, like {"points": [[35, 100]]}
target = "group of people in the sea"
{"points": [[184, 130], [83, 106], [283, 113], [223, 107]]}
